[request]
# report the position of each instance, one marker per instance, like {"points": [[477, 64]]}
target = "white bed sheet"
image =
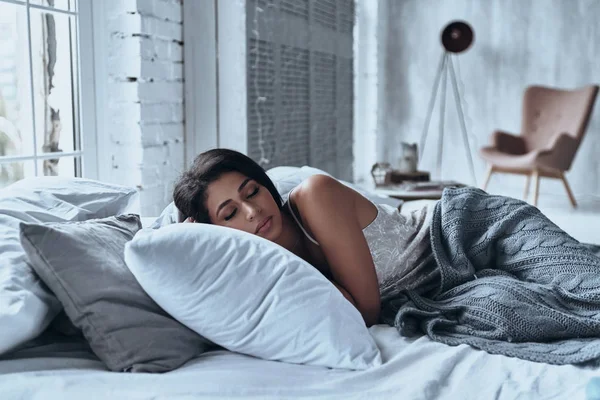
{"points": [[412, 369]]}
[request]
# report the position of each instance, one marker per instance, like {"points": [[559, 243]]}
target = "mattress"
{"points": [[412, 369]]}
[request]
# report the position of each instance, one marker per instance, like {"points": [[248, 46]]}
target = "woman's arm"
{"points": [[345, 293], [328, 208]]}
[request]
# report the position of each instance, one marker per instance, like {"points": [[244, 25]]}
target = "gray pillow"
{"points": [[83, 264], [26, 304]]}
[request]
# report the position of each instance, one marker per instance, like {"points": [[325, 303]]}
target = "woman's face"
{"points": [[238, 202]]}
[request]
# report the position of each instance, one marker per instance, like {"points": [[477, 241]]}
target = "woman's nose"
{"points": [[252, 211]]}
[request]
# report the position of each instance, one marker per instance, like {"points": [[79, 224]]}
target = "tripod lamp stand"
{"points": [[456, 38]]}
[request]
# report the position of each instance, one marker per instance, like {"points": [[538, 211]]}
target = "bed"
{"points": [[412, 369], [54, 365]]}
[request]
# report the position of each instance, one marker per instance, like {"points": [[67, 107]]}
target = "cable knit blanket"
{"points": [[512, 283]]}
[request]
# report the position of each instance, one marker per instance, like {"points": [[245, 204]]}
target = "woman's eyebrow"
{"points": [[223, 204], [244, 184]]}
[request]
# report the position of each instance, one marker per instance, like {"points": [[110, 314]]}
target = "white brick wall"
{"points": [[145, 125]]}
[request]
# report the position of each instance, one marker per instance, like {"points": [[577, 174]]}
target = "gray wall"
{"points": [[517, 43]]}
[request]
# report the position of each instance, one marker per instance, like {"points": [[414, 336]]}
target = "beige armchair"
{"points": [[553, 125]]}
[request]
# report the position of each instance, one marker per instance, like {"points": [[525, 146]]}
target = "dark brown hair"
{"points": [[189, 193]]}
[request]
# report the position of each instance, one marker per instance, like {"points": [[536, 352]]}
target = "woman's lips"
{"points": [[264, 226]]}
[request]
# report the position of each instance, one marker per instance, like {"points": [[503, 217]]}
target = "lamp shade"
{"points": [[457, 36]]}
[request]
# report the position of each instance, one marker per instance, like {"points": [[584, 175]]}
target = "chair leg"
{"points": [[569, 193], [488, 176], [527, 185], [536, 186]]}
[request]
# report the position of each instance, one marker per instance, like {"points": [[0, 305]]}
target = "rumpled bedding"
{"points": [[512, 283]]}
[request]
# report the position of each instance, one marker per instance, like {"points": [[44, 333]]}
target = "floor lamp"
{"points": [[456, 37]]}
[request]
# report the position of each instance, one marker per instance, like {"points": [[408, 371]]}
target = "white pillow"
{"points": [[250, 296], [26, 304], [170, 215]]}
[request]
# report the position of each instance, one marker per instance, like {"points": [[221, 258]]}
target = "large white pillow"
{"points": [[250, 296], [26, 304]]}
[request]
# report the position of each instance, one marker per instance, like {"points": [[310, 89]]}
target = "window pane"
{"points": [[52, 63], [12, 172], [68, 5], [16, 122], [63, 166]]}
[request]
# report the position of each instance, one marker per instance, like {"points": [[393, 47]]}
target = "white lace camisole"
{"points": [[400, 247]]}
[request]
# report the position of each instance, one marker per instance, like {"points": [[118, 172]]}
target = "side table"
{"points": [[431, 190]]}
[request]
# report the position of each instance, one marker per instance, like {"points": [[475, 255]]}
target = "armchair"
{"points": [[553, 124]]}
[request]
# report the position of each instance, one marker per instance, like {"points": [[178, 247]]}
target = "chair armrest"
{"points": [[508, 143], [560, 152], [562, 141]]}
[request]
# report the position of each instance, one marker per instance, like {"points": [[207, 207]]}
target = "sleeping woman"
{"points": [[472, 268]]}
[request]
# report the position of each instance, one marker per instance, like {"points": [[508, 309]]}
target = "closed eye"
{"points": [[254, 192], [234, 212], [227, 218]]}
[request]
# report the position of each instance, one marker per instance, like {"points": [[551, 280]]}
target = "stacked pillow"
{"points": [[147, 304], [250, 295], [82, 263], [26, 304]]}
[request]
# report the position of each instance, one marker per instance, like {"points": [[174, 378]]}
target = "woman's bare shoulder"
{"points": [[325, 192], [317, 183], [318, 188]]}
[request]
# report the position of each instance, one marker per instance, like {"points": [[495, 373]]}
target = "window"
{"points": [[40, 102]]}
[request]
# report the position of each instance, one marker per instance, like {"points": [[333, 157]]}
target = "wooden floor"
{"points": [[583, 222]]}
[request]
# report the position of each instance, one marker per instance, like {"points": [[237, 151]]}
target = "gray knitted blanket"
{"points": [[512, 283]]}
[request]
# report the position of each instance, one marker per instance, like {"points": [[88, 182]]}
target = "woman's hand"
{"points": [[189, 220]]}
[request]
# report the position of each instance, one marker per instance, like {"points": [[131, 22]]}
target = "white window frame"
{"points": [[85, 94], [215, 86], [86, 40]]}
